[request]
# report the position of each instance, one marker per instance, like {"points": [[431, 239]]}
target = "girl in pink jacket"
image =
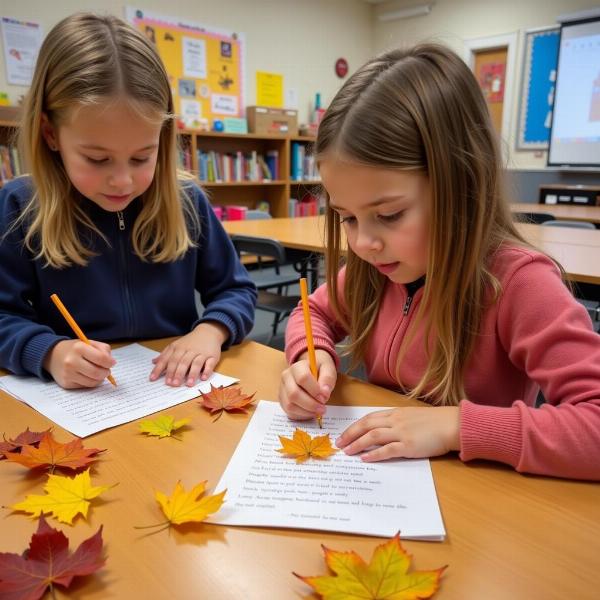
{"points": [[440, 296]]}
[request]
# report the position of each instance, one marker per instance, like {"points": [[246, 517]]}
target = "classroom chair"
{"points": [[565, 223], [536, 218], [268, 278]]}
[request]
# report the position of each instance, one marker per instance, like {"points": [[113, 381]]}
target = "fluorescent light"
{"points": [[405, 13]]}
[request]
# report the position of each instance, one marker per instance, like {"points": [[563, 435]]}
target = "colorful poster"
{"points": [[269, 89], [537, 88], [491, 80], [21, 41], [205, 65]]}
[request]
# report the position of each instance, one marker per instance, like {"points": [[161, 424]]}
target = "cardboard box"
{"points": [[266, 120]]}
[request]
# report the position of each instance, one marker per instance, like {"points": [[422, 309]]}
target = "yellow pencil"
{"points": [[71, 321], [312, 359]]}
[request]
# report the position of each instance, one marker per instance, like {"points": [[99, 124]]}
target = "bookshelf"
{"points": [[11, 164], [276, 191]]}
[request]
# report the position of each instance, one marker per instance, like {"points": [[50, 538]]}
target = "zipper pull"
{"points": [[121, 220], [407, 305]]}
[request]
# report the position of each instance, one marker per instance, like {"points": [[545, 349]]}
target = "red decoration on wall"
{"points": [[341, 67]]}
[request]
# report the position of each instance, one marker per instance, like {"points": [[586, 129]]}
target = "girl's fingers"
{"points": [[195, 369], [171, 366], [182, 367], [392, 450], [298, 401], [362, 426], [209, 367], [375, 437], [160, 363]]}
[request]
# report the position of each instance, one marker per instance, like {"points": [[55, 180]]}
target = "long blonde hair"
{"points": [[89, 59], [421, 109]]}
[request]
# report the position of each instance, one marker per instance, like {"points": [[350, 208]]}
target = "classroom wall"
{"points": [[301, 39], [453, 21]]}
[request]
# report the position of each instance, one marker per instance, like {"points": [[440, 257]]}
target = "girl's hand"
{"points": [[411, 432], [192, 356], [75, 364], [301, 396]]}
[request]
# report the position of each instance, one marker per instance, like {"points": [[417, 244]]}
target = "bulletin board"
{"points": [[205, 65], [537, 89]]}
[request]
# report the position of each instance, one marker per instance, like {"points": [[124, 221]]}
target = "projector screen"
{"points": [[575, 132]]}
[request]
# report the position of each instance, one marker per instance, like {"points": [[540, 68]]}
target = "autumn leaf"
{"points": [[186, 507], [51, 453], [162, 426], [65, 497], [31, 438], [303, 446], [230, 399], [386, 577], [46, 562]]}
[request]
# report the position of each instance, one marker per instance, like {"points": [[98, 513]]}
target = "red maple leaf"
{"points": [[230, 399], [51, 453], [47, 562], [31, 438]]}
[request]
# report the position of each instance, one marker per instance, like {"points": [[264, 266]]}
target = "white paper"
{"points": [[191, 111], [341, 493], [194, 58], [223, 104], [87, 411], [21, 41]]}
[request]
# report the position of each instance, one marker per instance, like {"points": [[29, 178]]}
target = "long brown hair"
{"points": [[89, 59], [421, 109]]}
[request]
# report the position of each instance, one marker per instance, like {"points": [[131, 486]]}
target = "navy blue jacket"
{"points": [[116, 296]]}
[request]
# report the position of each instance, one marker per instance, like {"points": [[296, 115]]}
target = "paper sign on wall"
{"points": [[22, 41], [269, 89]]}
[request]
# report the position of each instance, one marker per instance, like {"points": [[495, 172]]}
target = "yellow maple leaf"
{"points": [[303, 446], [162, 426], [65, 497], [186, 507], [386, 577]]}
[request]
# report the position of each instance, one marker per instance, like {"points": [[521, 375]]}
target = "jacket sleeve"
{"points": [[24, 342], [226, 290], [548, 335], [327, 331]]}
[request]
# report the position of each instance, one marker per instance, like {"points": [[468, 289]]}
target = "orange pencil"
{"points": [[71, 321], [312, 359]]}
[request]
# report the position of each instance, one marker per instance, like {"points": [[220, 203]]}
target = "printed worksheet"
{"points": [[340, 493], [87, 411]]}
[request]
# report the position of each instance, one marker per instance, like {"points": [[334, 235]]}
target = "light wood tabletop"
{"points": [[578, 250], [509, 536], [570, 212]]}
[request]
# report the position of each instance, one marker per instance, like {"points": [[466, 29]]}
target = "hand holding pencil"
{"points": [[306, 385], [82, 368]]}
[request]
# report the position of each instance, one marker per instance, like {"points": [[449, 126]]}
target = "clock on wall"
{"points": [[341, 67]]}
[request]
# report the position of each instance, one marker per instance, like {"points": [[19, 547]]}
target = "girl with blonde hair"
{"points": [[106, 221], [440, 296]]}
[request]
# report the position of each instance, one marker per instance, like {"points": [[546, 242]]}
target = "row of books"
{"points": [[10, 163], [238, 166], [303, 166], [309, 206]]}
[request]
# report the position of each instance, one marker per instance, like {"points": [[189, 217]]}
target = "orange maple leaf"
{"points": [[230, 399], [53, 454], [386, 577], [31, 438], [303, 446]]}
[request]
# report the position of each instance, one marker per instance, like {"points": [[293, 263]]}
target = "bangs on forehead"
{"points": [[143, 109]]}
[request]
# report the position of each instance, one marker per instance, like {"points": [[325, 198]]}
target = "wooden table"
{"points": [[578, 250], [510, 536], [569, 212]]}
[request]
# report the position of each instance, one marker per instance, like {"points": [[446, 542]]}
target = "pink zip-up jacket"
{"points": [[535, 335]]}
